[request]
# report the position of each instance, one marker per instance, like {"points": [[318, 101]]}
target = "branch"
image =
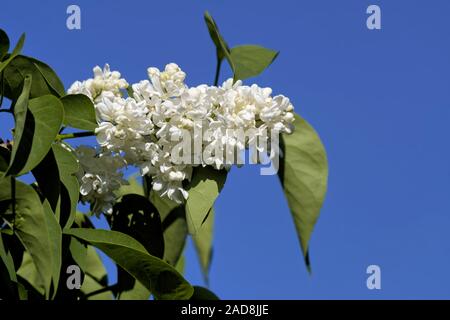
{"points": [[75, 135]]}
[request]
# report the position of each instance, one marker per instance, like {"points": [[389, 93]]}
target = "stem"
{"points": [[75, 135], [2, 87], [13, 196], [216, 78], [105, 289]]}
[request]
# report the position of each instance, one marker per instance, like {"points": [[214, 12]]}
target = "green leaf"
{"points": [[4, 44], [250, 60], [15, 52], [203, 244], [8, 279], [33, 140], [136, 216], [304, 175], [19, 67], [50, 77], [203, 189], [175, 233], [201, 294], [7, 259], [156, 275], [5, 158], [33, 227], [20, 113], [87, 258], [30, 274], [90, 285], [46, 174], [68, 166], [163, 204], [222, 49], [174, 227], [133, 186], [138, 292], [181, 264], [79, 112], [55, 235]]}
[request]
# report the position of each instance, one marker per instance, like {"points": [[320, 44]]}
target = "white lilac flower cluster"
{"points": [[144, 128], [99, 176]]}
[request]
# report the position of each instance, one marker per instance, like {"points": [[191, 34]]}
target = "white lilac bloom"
{"points": [[144, 129], [99, 176], [123, 124], [104, 83]]}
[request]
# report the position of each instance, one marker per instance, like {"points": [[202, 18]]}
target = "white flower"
{"points": [[99, 176], [123, 123], [105, 83], [144, 129]]}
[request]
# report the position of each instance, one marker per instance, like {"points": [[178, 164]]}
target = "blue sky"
{"points": [[379, 99]]}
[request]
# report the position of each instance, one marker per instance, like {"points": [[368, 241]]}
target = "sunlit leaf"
{"points": [[79, 112], [250, 60], [203, 189], [33, 227], [203, 244], [90, 285], [304, 174]]}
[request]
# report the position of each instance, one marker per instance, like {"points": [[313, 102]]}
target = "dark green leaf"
{"points": [[174, 226], [250, 60], [8, 279], [20, 114], [203, 189], [136, 216], [15, 52], [46, 174], [68, 167], [50, 77], [304, 174], [222, 49], [175, 233], [79, 112], [201, 294], [4, 44], [156, 275], [5, 158], [32, 143], [15, 73]]}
